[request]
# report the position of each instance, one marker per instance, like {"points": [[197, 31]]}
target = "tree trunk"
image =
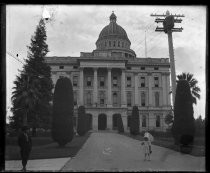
{"points": [[34, 131], [25, 119]]}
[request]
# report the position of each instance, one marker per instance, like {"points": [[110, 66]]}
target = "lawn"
{"points": [[198, 148], [45, 148]]}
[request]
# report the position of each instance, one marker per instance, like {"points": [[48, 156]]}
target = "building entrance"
{"points": [[102, 122]]}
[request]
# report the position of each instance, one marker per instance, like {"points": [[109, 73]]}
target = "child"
{"points": [[147, 151]]}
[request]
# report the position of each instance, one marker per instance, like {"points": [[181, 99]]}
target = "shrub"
{"points": [[82, 121], [62, 122], [183, 124], [120, 124], [134, 123]]}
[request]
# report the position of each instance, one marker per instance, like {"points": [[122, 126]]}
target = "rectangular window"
{"points": [[102, 79], [102, 98], [156, 68], [89, 81], [109, 43], [128, 81], [128, 68], [142, 68], [61, 67], [143, 99], [114, 81], [128, 98], [75, 81], [75, 98], [89, 98], [118, 44], [158, 121], [156, 81], [115, 99], [142, 81], [144, 121], [114, 44], [75, 67]]}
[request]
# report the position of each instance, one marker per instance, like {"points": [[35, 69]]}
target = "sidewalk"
{"points": [[37, 165]]}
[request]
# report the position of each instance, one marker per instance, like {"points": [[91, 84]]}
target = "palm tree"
{"points": [[25, 95], [195, 90]]}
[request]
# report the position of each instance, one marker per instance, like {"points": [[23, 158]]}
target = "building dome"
{"points": [[113, 38], [113, 30]]}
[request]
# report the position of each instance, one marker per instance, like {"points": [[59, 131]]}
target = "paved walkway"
{"points": [[114, 152], [37, 165]]}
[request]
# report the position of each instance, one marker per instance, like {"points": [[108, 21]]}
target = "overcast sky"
{"points": [[74, 29]]}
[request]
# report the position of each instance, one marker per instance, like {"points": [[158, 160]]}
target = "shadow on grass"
{"points": [[48, 151]]}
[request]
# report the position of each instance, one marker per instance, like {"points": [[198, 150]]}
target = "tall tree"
{"points": [[36, 69], [82, 121], [24, 98], [134, 125], [183, 128], [195, 90], [62, 122]]}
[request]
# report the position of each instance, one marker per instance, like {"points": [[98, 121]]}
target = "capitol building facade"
{"points": [[110, 80]]}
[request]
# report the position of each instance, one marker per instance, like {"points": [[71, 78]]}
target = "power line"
{"points": [[38, 74]]}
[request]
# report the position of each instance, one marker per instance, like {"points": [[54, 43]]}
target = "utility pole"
{"points": [[168, 21]]}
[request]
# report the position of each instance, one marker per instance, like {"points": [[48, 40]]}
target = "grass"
{"points": [[45, 148], [198, 148]]}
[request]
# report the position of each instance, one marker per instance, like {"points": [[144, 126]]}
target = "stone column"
{"points": [[136, 86], [81, 78], [164, 90], [150, 88], [109, 122], [124, 120], [168, 89], [123, 94], [109, 101], [95, 122], [95, 88]]}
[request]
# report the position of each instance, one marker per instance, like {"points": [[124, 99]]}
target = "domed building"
{"points": [[110, 80]]}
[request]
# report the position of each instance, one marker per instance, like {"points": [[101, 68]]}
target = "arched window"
{"points": [[156, 99], [143, 99], [158, 121], [144, 121]]}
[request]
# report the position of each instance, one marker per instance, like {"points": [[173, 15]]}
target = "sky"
{"points": [[75, 28]]}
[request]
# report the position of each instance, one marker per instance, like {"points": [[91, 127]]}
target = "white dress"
{"points": [[146, 145]]}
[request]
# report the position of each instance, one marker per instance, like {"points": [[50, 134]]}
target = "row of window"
{"points": [[89, 81], [126, 55], [115, 98], [144, 121], [113, 44]]}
